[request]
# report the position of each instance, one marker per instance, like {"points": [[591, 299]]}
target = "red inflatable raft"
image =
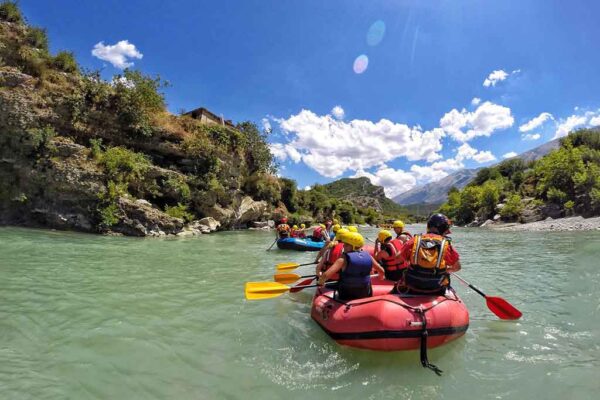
{"points": [[392, 322]]}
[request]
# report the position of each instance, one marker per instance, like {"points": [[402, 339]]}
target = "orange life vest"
{"points": [[283, 230], [427, 269], [391, 263]]}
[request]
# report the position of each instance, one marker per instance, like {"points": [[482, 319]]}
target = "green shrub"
{"points": [[37, 38], [179, 211], [108, 215], [9, 11], [569, 205], [512, 208], [65, 61], [96, 148], [178, 185], [123, 165], [556, 195]]}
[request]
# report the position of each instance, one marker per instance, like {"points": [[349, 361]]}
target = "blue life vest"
{"points": [[355, 279]]}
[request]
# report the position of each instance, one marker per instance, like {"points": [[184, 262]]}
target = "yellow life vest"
{"points": [[428, 252]]}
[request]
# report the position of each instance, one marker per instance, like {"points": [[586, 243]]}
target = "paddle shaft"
{"points": [[272, 244], [469, 285]]}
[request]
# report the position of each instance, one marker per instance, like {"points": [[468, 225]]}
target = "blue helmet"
{"points": [[440, 222]]}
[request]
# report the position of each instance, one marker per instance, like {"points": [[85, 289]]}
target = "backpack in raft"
{"points": [[427, 270]]}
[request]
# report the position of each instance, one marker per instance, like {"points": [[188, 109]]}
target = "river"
{"points": [[86, 317]]}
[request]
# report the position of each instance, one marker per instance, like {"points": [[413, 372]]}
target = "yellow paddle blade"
{"points": [[264, 290], [287, 266], [286, 278]]}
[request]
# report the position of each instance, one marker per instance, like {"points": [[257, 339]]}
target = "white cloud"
{"points": [[484, 156], [284, 151], [510, 154], [119, 54], [595, 121], [337, 112], [475, 101], [566, 126], [535, 122], [394, 181], [495, 77], [307, 187], [332, 147], [487, 118], [266, 124], [498, 76], [531, 136]]}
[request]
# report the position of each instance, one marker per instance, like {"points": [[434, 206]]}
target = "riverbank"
{"points": [[577, 223]]}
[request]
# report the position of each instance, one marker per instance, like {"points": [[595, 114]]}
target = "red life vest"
{"points": [[318, 233], [404, 233], [333, 254], [391, 263]]}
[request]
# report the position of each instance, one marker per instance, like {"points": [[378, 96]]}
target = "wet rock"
{"points": [[210, 222]]}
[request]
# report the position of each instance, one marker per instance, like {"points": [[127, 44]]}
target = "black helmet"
{"points": [[440, 222]]}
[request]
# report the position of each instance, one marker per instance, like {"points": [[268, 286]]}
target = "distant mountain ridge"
{"points": [[363, 194], [437, 192]]}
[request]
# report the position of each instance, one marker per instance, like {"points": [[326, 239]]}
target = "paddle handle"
{"points": [[468, 284], [326, 283]]}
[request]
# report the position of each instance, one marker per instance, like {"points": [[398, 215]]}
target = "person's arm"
{"points": [[452, 260], [378, 268], [337, 266], [319, 268], [320, 253]]}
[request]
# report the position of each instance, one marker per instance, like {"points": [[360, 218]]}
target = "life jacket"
{"points": [[393, 266], [427, 269], [404, 233], [301, 235], [283, 230], [317, 234], [355, 279], [294, 233], [331, 255]]}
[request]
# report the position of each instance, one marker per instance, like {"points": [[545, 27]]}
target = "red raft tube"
{"points": [[392, 322]]}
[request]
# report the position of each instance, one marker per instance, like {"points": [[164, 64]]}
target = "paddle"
{"points": [[269, 290], [502, 308], [272, 244], [291, 278], [291, 266]]}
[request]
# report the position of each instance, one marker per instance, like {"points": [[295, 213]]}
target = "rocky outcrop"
{"points": [[243, 211], [139, 219]]}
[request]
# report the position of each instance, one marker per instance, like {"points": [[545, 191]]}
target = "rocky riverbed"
{"points": [[577, 223]]}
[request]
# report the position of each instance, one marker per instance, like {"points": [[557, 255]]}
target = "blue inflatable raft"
{"points": [[299, 244]]}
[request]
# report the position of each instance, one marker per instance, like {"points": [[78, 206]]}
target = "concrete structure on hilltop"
{"points": [[208, 117]]}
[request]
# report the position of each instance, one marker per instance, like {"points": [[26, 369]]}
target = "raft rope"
{"points": [[419, 310]]}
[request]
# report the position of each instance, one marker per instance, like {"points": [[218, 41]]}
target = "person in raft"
{"points": [[333, 251], [400, 232], [321, 252], [283, 229], [320, 234], [386, 253], [329, 226], [294, 231], [354, 268], [302, 231], [431, 258]]}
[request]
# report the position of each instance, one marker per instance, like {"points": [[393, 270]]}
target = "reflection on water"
{"points": [[85, 316]]}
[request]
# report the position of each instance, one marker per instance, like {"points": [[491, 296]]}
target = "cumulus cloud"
{"points": [[566, 126], [394, 181], [119, 54], [332, 147], [266, 124], [536, 122], [284, 151], [486, 119], [510, 154], [475, 101], [498, 76], [595, 121], [531, 136], [484, 156], [337, 112]]}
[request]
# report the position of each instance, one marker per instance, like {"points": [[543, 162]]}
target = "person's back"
{"points": [[283, 229], [431, 257], [401, 234]]}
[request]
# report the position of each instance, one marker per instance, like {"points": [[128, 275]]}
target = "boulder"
{"points": [[211, 223], [262, 224], [497, 217], [137, 219], [487, 223], [249, 210]]}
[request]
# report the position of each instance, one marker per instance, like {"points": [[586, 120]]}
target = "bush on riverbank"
{"points": [[567, 178]]}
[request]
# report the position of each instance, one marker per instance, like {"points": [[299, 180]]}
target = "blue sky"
{"points": [[410, 117]]}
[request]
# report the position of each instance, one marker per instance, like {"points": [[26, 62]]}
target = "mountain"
{"points": [[436, 192], [363, 194]]}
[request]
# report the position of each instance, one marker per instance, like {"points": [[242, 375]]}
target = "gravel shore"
{"points": [[561, 224]]}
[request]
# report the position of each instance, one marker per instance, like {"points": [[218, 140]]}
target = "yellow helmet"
{"points": [[322, 226], [302, 226], [336, 227], [398, 224], [340, 233], [335, 221], [353, 239], [384, 235], [295, 227], [353, 228]]}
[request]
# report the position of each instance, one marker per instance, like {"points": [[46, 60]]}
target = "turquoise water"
{"points": [[86, 317]]}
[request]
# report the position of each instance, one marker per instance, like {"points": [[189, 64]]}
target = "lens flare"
{"points": [[376, 33], [361, 63]]}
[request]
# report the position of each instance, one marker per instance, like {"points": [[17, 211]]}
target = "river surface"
{"points": [[93, 317]]}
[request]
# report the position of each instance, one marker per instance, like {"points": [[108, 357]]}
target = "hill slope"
{"points": [[437, 192], [363, 194]]}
